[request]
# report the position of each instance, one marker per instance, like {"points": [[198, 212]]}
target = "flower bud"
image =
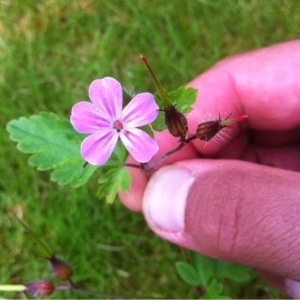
{"points": [[42, 288], [60, 269], [176, 122], [207, 130]]}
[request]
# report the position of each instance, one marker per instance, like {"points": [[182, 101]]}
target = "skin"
{"points": [[244, 204]]}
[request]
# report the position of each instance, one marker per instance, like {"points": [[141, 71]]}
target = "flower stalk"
{"points": [[12, 287], [152, 164], [47, 252], [175, 121], [161, 91]]}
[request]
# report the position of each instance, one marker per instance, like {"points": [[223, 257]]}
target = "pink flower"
{"points": [[106, 121]]}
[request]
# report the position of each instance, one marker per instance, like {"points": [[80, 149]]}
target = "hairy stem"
{"points": [[150, 165]]}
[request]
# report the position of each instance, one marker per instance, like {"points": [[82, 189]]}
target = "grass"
{"points": [[49, 52]]}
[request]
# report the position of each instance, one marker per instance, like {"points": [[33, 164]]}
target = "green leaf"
{"points": [[112, 181], [54, 144], [118, 156], [148, 129], [183, 98], [188, 273], [159, 124], [206, 267], [214, 290], [235, 272], [73, 172]]}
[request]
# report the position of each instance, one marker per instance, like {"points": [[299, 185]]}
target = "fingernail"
{"points": [[165, 198], [292, 288]]}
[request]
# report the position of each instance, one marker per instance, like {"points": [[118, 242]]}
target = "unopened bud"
{"points": [[207, 130], [176, 122], [60, 269], [42, 288]]}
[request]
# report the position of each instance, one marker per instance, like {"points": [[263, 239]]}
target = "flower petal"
{"points": [[140, 111], [98, 147], [139, 144], [106, 93], [86, 119]]}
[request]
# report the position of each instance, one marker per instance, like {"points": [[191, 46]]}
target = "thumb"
{"points": [[231, 210]]}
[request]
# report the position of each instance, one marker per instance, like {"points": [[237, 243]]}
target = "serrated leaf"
{"points": [[73, 173], [112, 181], [183, 98], [159, 124], [235, 272], [188, 273], [54, 145]]}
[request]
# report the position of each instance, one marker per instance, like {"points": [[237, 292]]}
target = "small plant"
{"points": [[61, 272], [209, 275], [61, 145]]}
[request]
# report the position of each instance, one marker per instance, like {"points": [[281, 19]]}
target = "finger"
{"points": [[262, 84], [274, 280], [231, 210], [292, 288], [284, 157], [286, 285]]}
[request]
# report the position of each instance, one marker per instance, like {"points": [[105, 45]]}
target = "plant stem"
{"points": [[42, 245], [150, 165], [162, 93], [134, 166], [12, 287]]}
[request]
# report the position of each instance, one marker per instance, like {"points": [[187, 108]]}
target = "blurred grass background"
{"points": [[50, 51]]}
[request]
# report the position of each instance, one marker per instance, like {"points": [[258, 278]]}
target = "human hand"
{"points": [[236, 199]]}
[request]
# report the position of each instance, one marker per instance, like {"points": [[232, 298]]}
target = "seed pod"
{"points": [[207, 130], [60, 269], [176, 122]]}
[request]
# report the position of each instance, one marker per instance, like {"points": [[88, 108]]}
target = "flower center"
{"points": [[118, 125]]}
